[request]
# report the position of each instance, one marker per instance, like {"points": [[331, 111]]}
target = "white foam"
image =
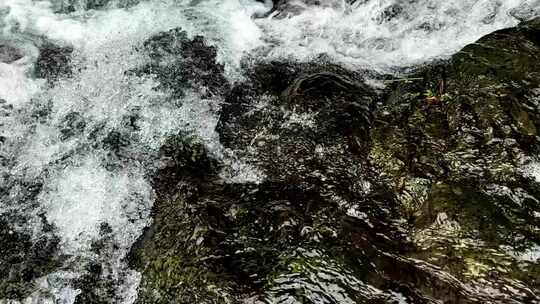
{"points": [[27, 17], [82, 196], [229, 26], [357, 35], [532, 170], [530, 255], [15, 86]]}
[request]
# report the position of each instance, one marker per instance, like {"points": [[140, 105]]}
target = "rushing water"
{"points": [[81, 185]]}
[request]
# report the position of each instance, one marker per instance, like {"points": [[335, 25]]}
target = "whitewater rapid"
{"points": [[84, 186]]}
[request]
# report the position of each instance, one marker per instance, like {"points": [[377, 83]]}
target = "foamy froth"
{"points": [[388, 34], [86, 185]]}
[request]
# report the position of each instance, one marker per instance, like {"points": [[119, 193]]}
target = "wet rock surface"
{"points": [[289, 119], [424, 191], [420, 192], [9, 54], [23, 259], [178, 63], [53, 62], [70, 6], [285, 8], [455, 147]]}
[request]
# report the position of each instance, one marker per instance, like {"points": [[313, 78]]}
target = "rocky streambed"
{"points": [[314, 182], [424, 191]]}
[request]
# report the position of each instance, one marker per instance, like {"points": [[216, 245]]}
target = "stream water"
{"points": [[61, 183]]}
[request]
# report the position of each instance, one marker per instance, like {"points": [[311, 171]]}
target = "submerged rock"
{"points": [[69, 6], [23, 259], [289, 119], [286, 8], [307, 128], [179, 62], [53, 62], [422, 193], [9, 54]]}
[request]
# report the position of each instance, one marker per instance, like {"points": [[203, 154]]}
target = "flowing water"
{"points": [[93, 191]]}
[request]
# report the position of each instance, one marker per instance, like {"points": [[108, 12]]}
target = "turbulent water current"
{"points": [[75, 171]]}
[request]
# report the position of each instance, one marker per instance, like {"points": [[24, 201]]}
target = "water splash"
{"points": [[387, 34]]}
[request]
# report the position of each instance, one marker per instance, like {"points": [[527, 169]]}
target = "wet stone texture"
{"points": [[179, 63], [24, 256], [284, 8], [9, 54], [53, 62], [70, 6], [22, 259], [454, 146], [420, 192]]}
